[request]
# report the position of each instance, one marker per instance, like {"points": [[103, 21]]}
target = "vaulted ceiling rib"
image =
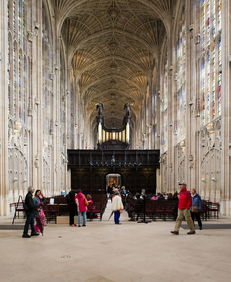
{"points": [[113, 46]]}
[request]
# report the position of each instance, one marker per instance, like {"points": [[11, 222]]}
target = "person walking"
{"points": [[196, 208], [40, 217], [184, 205], [30, 210], [82, 203], [117, 207]]}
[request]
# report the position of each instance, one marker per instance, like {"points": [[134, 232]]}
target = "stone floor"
{"points": [[104, 252]]}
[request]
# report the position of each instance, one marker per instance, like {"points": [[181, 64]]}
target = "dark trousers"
{"points": [[196, 215], [29, 222], [117, 217], [72, 213]]}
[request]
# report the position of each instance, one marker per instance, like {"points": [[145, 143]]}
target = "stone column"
{"points": [[4, 206], [189, 119], [195, 95], [226, 110], [171, 113], [36, 74], [57, 146]]}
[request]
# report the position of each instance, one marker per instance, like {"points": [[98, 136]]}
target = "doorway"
{"points": [[113, 180]]}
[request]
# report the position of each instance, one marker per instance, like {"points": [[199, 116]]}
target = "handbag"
{"points": [[195, 209], [86, 202]]}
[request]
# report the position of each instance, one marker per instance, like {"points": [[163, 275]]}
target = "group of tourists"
{"points": [[189, 207], [79, 205], [35, 217]]}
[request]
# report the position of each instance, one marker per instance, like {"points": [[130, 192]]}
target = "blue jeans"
{"points": [[80, 215], [117, 217], [29, 222]]}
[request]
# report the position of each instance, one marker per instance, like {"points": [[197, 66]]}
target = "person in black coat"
{"points": [[30, 210], [72, 207]]}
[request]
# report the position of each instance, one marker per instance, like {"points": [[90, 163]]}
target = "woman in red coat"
{"points": [[82, 203], [184, 205]]}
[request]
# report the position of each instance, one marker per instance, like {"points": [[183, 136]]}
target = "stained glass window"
{"points": [[25, 91], [10, 76], [210, 62], [180, 83], [17, 31], [15, 79], [21, 86]]}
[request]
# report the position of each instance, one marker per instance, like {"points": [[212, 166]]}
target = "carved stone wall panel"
{"points": [[210, 162], [164, 172], [180, 166]]}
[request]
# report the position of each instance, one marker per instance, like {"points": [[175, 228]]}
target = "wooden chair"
{"points": [[18, 208], [213, 210]]}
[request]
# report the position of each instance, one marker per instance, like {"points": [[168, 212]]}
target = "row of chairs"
{"points": [[166, 209], [160, 209]]}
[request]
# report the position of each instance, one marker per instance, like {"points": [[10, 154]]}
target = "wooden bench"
{"points": [[159, 209]]}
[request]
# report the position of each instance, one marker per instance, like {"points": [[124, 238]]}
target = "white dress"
{"points": [[117, 203]]}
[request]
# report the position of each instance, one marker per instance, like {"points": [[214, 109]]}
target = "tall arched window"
{"points": [[10, 76], [19, 78], [210, 62], [25, 103], [15, 79], [20, 85]]}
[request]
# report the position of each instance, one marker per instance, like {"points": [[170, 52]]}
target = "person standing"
{"points": [[117, 207], [82, 203], [30, 210], [196, 207], [184, 205], [90, 207], [72, 207]]}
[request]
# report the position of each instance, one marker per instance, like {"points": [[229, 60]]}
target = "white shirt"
{"points": [[117, 203]]}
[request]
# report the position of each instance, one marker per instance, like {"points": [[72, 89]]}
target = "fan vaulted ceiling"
{"points": [[113, 47]]}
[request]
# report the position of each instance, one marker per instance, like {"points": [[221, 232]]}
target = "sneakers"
{"points": [[191, 232], [73, 225], [84, 225], [175, 232], [25, 236]]}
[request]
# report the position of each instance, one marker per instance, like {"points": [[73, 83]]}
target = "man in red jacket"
{"points": [[184, 205]]}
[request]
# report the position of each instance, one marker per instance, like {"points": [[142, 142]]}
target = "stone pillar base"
{"points": [[225, 207]]}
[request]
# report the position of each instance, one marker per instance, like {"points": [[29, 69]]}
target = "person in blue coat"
{"points": [[196, 207]]}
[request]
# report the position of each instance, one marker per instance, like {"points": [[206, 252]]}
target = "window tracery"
{"points": [[18, 78], [210, 61]]}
